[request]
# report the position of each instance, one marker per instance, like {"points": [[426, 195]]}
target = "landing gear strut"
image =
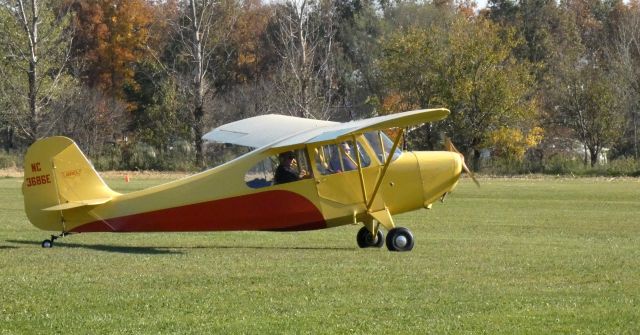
{"points": [[49, 243], [365, 240]]}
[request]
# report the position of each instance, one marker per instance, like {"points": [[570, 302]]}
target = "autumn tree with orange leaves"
{"points": [[112, 37]]}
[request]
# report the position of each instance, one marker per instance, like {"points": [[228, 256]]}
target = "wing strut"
{"points": [[359, 164], [384, 169]]}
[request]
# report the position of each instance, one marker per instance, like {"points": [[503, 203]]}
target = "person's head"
{"points": [[346, 147], [286, 157]]}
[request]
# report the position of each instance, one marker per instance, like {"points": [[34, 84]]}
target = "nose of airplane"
{"points": [[440, 171]]}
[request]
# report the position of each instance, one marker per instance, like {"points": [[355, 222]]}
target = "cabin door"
{"points": [[337, 176]]}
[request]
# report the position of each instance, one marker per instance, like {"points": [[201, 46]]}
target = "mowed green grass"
{"points": [[541, 256]]}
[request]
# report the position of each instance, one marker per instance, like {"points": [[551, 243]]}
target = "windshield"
{"points": [[382, 145]]}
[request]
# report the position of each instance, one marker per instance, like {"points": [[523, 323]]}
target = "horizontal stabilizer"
{"points": [[76, 204]]}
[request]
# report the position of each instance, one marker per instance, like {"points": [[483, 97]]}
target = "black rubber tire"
{"points": [[399, 239], [365, 240], [47, 244]]}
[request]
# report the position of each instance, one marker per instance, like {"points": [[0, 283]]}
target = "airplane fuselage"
{"points": [[212, 201], [324, 174]]}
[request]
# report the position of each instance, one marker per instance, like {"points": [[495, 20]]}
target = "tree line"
{"points": [[138, 82]]}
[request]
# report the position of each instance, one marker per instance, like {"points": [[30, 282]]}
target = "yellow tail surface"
{"points": [[58, 178]]}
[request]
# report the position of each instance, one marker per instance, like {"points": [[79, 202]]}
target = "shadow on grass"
{"points": [[267, 247], [120, 249], [168, 250], [107, 248], [7, 247]]}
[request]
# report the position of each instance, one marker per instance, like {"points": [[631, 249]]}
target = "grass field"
{"points": [[539, 256]]}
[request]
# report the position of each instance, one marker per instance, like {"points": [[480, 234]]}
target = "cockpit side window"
{"points": [[283, 167], [340, 157], [261, 174], [382, 145]]}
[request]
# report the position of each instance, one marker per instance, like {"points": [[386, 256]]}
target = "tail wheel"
{"points": [[399, 239], [365, 240], [49, 243]]}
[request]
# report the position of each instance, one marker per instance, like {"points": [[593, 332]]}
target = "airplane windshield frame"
{"points": [[382, 145]]}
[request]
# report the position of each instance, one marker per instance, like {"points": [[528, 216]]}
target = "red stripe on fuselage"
{"points": [[271, 210]]}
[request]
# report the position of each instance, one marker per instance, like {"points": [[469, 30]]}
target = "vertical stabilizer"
{"points": [[58, 177]]}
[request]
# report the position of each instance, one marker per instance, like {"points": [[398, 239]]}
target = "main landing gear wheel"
{"points": [[365, 240], [399, 239]]}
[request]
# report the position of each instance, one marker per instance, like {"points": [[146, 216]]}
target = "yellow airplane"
{"points": [[304, 174]]}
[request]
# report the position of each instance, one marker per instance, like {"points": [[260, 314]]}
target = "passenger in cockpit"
{"points": [[347, 160]]}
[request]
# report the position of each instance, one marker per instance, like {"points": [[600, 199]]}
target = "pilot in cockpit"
{"points": [[287, 170]]}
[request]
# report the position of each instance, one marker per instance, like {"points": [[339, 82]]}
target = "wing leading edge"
{"points": [[347, 129], [279, 131], [263, 130]]}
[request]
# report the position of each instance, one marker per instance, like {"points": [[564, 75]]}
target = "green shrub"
{"points": [[141, 156], [619, 167], [628, 166], [503, 166], [109, 159], [559, 165], [9, 160], [500, 166], [562, 165]]}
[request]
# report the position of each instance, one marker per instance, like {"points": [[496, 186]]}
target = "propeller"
{"points": [[448, 145]]}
